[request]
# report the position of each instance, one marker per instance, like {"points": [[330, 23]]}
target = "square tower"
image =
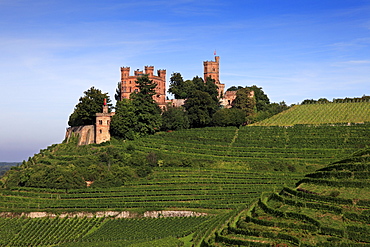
{"points": [[212, 70]]}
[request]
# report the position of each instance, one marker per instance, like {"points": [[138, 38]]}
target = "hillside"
{"points": [[330, 207], [254, 185], [328, 113]]}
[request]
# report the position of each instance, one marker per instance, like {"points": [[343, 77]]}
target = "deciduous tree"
{"points": [[88, 105]]}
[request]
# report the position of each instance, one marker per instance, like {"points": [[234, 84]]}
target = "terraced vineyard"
{"points": [[321, 114], [330, 207], [242, 178], [167, 188], [259, 147]]}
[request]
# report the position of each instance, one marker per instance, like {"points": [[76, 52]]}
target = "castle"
{"points": [[99, 132], [128, 83]]}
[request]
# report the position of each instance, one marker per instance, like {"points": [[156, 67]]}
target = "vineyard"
{"points": [[329, 113], [166, 188], [324, 209], [254, 186], [256, 147]]}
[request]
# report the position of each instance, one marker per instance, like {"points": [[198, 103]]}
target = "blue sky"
{"points": [[52, 51]]}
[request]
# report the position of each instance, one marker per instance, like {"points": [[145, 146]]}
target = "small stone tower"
{"points": [[102, 124], [212, 69]]}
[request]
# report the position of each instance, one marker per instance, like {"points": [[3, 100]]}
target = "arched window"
{"points": [[101, 131], [100, 122]]}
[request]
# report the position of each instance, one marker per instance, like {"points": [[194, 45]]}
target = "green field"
{"points": [[328, 113], [258, 186]]}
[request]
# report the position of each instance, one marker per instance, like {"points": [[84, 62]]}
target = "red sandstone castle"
{"points": [[128, 82], [99, 132]]}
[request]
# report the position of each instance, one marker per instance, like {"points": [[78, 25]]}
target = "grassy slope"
{"points": [[321, 114]]}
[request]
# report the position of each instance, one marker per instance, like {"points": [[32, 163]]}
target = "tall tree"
{"points": [[124, 121], [88, 105], [175, 118], [200, 107], [228, 117], [177, 86], [262, 100], [118, 94], [244, 101], [147, 111]]}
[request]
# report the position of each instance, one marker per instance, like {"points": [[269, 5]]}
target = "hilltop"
{"points": [[327, 113]]}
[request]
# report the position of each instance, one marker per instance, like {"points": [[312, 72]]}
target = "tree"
{"points": [[175, 118], [138, 116], [88, 105], [200, 107], [262, 100], [210, 87], [147, 111], [118, 94], [244, 101], [177, 86], [228, 117], [234, 88], [124, 121], [308, 101]]}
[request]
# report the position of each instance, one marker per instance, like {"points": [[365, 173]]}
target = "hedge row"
{"points": [[264, 234], [317, 206], [357, 217], [238, 242], [345, 183], [344, 165], [281, 224], [291, 215], [315, 197]]}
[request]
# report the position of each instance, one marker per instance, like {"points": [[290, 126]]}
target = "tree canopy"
{"points": [[138, 116], [88, 105], [200, 107]]}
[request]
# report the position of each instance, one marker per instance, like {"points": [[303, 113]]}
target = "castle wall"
{"points": [[85, 133]]}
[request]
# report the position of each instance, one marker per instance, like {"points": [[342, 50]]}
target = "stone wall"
{"points": [[85, 133]]}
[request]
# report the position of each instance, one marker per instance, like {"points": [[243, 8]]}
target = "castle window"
{"points": [[100, 122], [108, 122], [101, 131]]}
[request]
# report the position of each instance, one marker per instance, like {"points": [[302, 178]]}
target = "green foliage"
{"points": [[146, 110], [262, 100], [124, 121], [88, 105], [178, 87], [117, 95], [200, 107], [228, 117], [67, 166], [244, 102], [174, 118], [138, 116]]}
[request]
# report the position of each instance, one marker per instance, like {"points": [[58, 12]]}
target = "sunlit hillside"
{"points": [[328, 113]]}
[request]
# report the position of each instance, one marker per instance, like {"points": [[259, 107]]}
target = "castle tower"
{"points": [[212, 70], [102, 124], [128, 83]]}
